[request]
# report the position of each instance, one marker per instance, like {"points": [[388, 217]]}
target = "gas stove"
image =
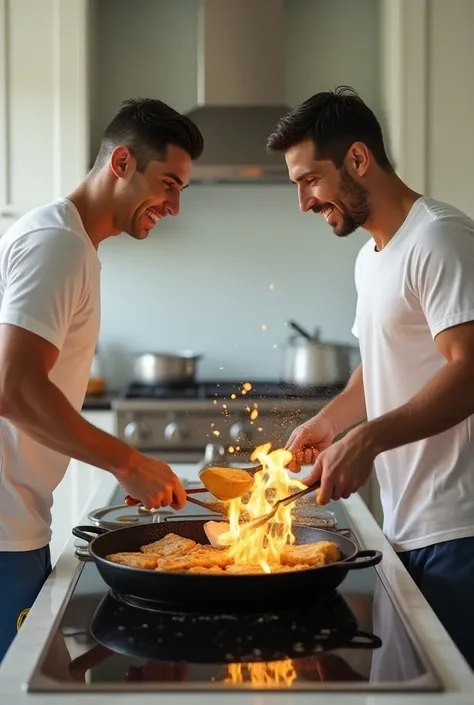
{"points": [[176, 423], [352, 639], [224, 389]]}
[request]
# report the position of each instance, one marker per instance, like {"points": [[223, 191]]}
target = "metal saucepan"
{"points": [[310, 362], [216, 592], [172, 369]]}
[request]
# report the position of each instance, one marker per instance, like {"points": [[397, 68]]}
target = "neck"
{"points": [[391, 201], [93, 199]]}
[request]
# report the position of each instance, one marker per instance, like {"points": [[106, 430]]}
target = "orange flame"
{"points": [[270, 673], [263, 546]]}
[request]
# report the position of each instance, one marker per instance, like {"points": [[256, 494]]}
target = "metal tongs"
{"points": [[214, 529]]}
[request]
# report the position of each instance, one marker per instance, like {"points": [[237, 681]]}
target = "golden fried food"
{"points": [[314, 555], [197, 557], [134, 560], [170, 545], [330, 550], [290, 568], [244, 569], [175, 553], [200, 569]]}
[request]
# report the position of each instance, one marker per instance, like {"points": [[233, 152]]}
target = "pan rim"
{"points": [[185, 575]]}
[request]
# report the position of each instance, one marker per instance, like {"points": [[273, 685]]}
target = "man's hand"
{"points": [[344, 467], [308, 440], [34, 404], [152, 483]]}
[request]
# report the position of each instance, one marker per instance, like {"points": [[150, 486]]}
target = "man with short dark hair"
{"points": [[49, 324], [409, 405]]}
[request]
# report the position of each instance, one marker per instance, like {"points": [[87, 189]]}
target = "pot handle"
{"points": [[369, 557], [83, 532]]}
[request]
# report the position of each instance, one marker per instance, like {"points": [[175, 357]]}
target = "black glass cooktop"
{"points": [[350, 640]]}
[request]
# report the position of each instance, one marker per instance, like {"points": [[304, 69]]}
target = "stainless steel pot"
{"points": [[309, 362], [173, 369]]}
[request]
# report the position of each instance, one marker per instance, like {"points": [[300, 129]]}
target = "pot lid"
{"points": [[121, 515]]}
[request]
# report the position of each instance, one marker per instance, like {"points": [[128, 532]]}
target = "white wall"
{"points": [[450, 103], [202, 279], [330, 43]]}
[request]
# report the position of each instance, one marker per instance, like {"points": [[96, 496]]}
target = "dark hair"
{"points": [[147, 127], [334, 120]]}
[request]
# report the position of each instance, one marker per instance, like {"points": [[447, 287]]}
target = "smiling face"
{"points": [[327, 190], [141, 199]]}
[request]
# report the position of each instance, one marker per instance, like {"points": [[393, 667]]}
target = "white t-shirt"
{"points": [[49, 285], [421, 283]]}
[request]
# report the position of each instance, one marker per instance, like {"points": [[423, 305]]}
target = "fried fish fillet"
{"points": [[250, 569], [197, 557], [314, 555], [200, 569], [134, 560], [244, 569], [289, 568], [170, 545]]}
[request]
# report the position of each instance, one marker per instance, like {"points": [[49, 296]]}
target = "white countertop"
{"points": [[456, 676]]}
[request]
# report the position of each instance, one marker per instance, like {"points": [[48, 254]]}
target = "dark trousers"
{"points": [[444, 572], [22, 575]]}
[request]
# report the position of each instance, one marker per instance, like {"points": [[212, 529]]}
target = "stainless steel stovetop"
{"points": [[176, 423], [353, 641]]}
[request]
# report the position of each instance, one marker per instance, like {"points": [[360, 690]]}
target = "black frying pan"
{"points": [[211, 593]]}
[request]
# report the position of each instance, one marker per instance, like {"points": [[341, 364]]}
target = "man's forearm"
{"points": [[348, 408], [444, 402], [42, 411]]}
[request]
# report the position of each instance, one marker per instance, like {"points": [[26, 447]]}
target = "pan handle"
{"points": [[362, 559], [83, 532], [365, 640]]}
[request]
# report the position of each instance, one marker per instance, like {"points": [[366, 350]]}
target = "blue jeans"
{"points": [[444, 573], [22, 575]]}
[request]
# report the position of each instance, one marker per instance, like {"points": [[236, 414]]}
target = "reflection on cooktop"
{"points": [[212, 638], [351, 640]]}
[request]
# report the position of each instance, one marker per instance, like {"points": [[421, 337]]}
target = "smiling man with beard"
{"points": [[409, 405], [49, 324]]}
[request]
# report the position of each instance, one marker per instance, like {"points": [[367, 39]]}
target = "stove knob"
{"points": [[240, 432], [136, 432], [175, 432], [132, 431]]}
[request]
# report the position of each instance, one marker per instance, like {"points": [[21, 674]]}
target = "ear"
{"points": [[121, 162], [358, 159]]}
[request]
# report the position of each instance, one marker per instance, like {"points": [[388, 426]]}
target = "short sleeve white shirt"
{"points": [[421, 283], [50, 286]]}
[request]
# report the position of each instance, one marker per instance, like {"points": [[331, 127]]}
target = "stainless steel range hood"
{"points": [[240, 88]]}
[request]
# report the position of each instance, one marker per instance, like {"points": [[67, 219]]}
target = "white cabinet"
{"points": [[74, 493], [44, 139], [83, 479], [370, 494], [427, 68]]}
